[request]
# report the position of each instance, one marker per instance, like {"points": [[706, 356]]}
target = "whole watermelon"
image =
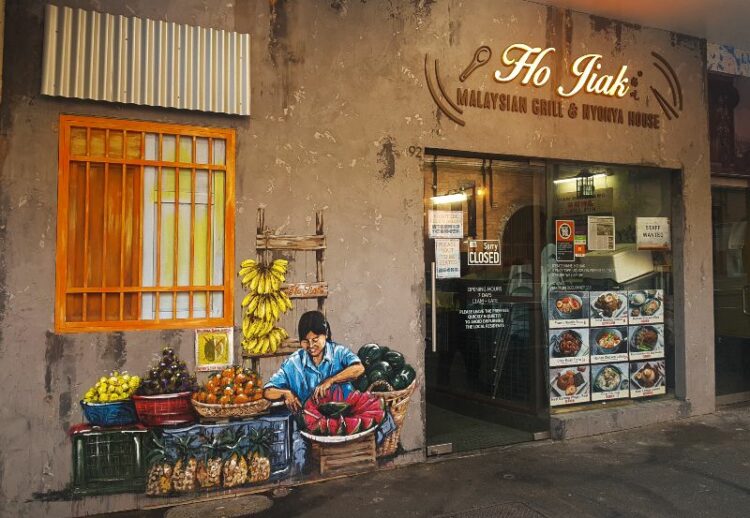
{"points": [[395, 359], [404, 378], [369, 354], [383, 366]]}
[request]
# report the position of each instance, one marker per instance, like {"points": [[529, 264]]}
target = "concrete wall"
{"points": [[339, 96]]}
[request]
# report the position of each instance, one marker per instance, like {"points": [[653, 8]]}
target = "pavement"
{"points": [[697, 467]]}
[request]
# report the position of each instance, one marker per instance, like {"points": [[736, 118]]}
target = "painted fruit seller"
{"points": [[319, 365]]}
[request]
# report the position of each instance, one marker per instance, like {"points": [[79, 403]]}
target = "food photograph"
{"points": [[568, 347], [568, 309], [609, 308], [647, 378], [570, 385], [608, 344], [646, 342], [609, 381], [646, 306]]}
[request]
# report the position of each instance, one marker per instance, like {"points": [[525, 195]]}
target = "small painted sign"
{"points": [[445, 224], [565, 231], [484, 252], [214, 349], [653, 234], [579, 245], [601, 233], [447, 259]]}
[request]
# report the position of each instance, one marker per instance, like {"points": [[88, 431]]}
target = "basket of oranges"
{"points": [[234, 392]]}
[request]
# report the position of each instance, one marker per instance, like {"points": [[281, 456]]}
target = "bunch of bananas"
{"points": [[263, 305]]}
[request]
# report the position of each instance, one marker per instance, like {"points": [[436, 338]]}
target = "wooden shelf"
{"points": [[267, 241]]}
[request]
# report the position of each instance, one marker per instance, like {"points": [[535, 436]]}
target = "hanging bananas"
{"points": [[263, 305]]}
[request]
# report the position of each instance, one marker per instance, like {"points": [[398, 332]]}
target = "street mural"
{"points": [[325, 411]]}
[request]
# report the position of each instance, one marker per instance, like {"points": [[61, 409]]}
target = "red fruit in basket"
{"points": [[367, 422], [322, 426], [333, 425], [241, 398], [375, 415], [225, 400], [228, 391], [352, 425], [211, 399], [241, 378]]}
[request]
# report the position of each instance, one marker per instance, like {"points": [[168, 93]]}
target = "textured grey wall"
{"points": [[339, 95]]}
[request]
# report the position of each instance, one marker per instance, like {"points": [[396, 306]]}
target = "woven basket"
{"points": [[224, 411], [396, 402]]}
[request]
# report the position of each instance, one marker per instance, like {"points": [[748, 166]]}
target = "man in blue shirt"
{"points": [[314, 369]]}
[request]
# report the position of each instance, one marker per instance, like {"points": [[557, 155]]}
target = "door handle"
{"points": [[744, 300], [434, 310]]}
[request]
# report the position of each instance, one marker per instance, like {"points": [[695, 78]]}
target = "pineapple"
{"points": [[160, 470], [183, 476], [260, 440], [209, 466], [235, 464]]}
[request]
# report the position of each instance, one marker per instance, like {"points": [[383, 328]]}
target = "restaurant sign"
{"points": [[589, 75]]}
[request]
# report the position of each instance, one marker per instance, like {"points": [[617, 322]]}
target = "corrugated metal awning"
{"points": [[92, 55]]}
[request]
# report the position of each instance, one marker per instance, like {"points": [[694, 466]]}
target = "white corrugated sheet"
{"points": [[92, 55]]}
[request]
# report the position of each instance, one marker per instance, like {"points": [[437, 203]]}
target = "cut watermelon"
{"points": [[352, 425], [333, 425], [322, 426], [353, 397], [376, 415]]}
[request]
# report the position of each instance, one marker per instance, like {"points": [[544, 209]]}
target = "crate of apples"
{"points": [[234, 392]]}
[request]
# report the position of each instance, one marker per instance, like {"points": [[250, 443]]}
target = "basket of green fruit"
{"points": [[108, 402], [163, 399], [388, 376]]}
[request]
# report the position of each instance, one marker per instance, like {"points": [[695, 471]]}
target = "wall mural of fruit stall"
{"points": [[325, 411]]}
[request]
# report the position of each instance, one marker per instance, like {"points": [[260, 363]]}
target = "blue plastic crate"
{"points": [[115, 413]]}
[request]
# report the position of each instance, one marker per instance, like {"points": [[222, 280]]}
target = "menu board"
{"points": [[647, 378], [608, 344], [610, 381], [646, 307], [609, 308], [570, 385], [568, 347], [568, 309], [605, 345], [646, 342]]}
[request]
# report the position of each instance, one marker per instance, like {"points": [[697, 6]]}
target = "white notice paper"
{"points": [[447, 259], [445, 224], [601, 233], [652, 234]]}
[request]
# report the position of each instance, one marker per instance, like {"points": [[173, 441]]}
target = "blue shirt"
{"points": [[299, 373]]}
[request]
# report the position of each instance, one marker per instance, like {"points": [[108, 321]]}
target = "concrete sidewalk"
{"points": [[696, 467]]}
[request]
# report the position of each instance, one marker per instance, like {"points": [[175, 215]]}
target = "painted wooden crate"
{"points": [[345, 458]]}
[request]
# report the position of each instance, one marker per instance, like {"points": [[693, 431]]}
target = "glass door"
{"points": [[485, 224], [731, 252]]}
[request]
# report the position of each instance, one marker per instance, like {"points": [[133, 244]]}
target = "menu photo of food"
{"points": [[646, 342], [609, 308], [648, 378], [568, 309], [646, 307], [610, 381], [568, 347], [609, 344], [569, 385]]}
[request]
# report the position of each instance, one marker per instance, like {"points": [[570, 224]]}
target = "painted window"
{"points": [[145, 225]]}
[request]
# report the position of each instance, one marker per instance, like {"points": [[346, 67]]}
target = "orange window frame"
{"points": [[137, 166]]}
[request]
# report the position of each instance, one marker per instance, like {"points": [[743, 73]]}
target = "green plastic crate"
{"points": [[109, 461]]}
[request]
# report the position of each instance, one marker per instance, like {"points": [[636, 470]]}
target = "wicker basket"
{"points": [[396, 402], [213, 411], [164, 409]]}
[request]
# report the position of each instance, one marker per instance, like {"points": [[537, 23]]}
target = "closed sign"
{"points": [[484, 253]]}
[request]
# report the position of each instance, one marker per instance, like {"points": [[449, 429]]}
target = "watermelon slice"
{"points": [[352, 425], [333, 426], [353, 398], [322, 426], [376, 415], [367, 423]]}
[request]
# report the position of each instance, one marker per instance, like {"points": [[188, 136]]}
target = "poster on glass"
{"points": [[609, 308], [568, 347], [610, 381], [646, 342], [609, 344], [568, 309], [647, 378], [646, 307], [569, 385]]}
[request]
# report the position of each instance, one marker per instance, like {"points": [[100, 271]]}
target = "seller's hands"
{"points": [[292, 402], [321, 390]]}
